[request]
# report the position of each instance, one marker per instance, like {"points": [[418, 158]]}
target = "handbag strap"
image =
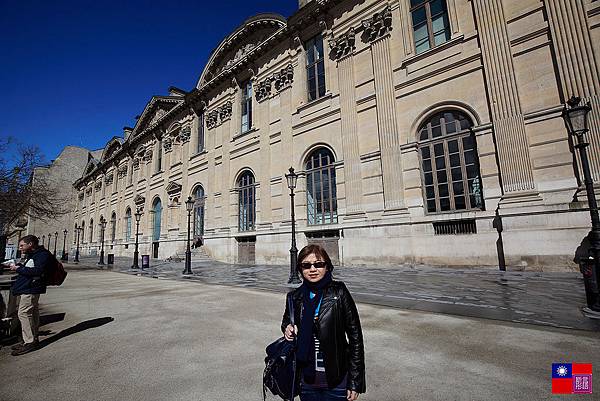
{"points": [[291, 308]]}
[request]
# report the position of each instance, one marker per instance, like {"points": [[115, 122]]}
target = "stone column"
{"points": [[377, 32], [577, 67], [342, 50], [265, 161], [507, 116]]}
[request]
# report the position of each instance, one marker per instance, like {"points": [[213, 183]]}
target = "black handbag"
{"points": [[280, 375]]}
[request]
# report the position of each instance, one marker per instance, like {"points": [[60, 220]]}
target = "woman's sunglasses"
{"points": [[318, 265]]}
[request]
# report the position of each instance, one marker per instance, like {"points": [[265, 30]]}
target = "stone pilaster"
{"points": [[577, 67], [507, 115], [341, 50], [377, 32]]}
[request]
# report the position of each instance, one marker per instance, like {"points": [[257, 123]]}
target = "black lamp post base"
{"points": [[188, 263]]}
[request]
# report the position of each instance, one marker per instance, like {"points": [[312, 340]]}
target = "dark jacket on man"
{"points": [[32, 280], [337, 318]]}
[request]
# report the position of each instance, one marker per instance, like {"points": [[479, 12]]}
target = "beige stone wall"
{"points": [[508, 65]]}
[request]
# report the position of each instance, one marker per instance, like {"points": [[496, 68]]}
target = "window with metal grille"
{"points": [[246, 106], [128, 224], [321, 193], [315, 67], [200, 146], [159, 155], [156, 218], [199, 211], [113, 226], [449, 164], [247, 202], [431, 26], [454, 227]]}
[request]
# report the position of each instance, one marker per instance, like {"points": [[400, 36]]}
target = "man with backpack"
{"points": [[30, 283]]}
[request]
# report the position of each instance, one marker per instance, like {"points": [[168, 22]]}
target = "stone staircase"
{"points": [[198, 255]]}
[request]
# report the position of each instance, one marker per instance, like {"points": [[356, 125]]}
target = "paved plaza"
{"points": [[114, 336]]}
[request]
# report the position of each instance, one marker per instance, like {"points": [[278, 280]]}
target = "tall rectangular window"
{"points": [[159, 155], [315, 67], [246, 106], [431, 26], [200, 147]]}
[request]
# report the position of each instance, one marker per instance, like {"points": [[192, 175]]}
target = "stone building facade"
{"points": [[58, 178], [423, 131]]}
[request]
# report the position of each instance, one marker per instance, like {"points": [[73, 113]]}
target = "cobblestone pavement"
{"points": [[550, 299]]}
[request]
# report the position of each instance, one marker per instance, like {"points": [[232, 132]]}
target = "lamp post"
{"points": [[138, 216], [21, 224], [76, 260], [189, 206], [64, 252], [55, 241], [292, 179], [102, 227], [576, 120]]}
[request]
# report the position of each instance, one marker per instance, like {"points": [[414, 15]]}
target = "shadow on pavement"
{"points": [[88, 324], [53, 318]]}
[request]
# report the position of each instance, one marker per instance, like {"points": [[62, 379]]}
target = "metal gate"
{"points": [[329, 240], [247, 250]]}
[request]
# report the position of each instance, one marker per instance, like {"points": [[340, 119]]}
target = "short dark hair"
{"points": [[317, 250], [31, 239]]}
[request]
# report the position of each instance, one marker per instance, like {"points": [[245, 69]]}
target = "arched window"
{"points": [[128, 224], [449, 163], [156, 215], [321, 194], [113, 226], [247, 202], [82, 236], [91, 230], [199, 211]]}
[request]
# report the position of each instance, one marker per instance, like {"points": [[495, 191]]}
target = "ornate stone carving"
{"points": [[81, 195], [109, 179], [379, 25], [225, 111], [88, 191], [184, 134], [122, 171], [159, 114], [263, 89], [168, 144], [344, 45], [98, 186], [139, 201], [148, 155], [174, 193], [136, 163], [212, 119], [284, 78]]}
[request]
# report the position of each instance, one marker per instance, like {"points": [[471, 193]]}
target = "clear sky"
{"points": [[76, 72]]}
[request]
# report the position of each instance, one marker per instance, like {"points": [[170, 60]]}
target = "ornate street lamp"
{"points": [[55, 240], [102, 227], [292, 180], [78, 229], [64, 255], [189, 206], [138, 217], [576, 120]]}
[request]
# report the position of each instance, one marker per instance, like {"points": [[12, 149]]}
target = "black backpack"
{"points": [[280, 375]]}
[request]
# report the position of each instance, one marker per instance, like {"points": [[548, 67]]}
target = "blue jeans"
{"points": [[310, 394]]}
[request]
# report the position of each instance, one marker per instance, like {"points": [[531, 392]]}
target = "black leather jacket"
{"points": [[338, 318]]}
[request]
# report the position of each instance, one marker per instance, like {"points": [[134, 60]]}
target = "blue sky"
{"points": [[77, 72]]}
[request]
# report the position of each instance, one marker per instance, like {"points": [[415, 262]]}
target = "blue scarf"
{"points": [[305, 353]]}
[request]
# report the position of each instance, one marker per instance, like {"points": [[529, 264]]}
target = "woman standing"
{"points": [[330, 352]]}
